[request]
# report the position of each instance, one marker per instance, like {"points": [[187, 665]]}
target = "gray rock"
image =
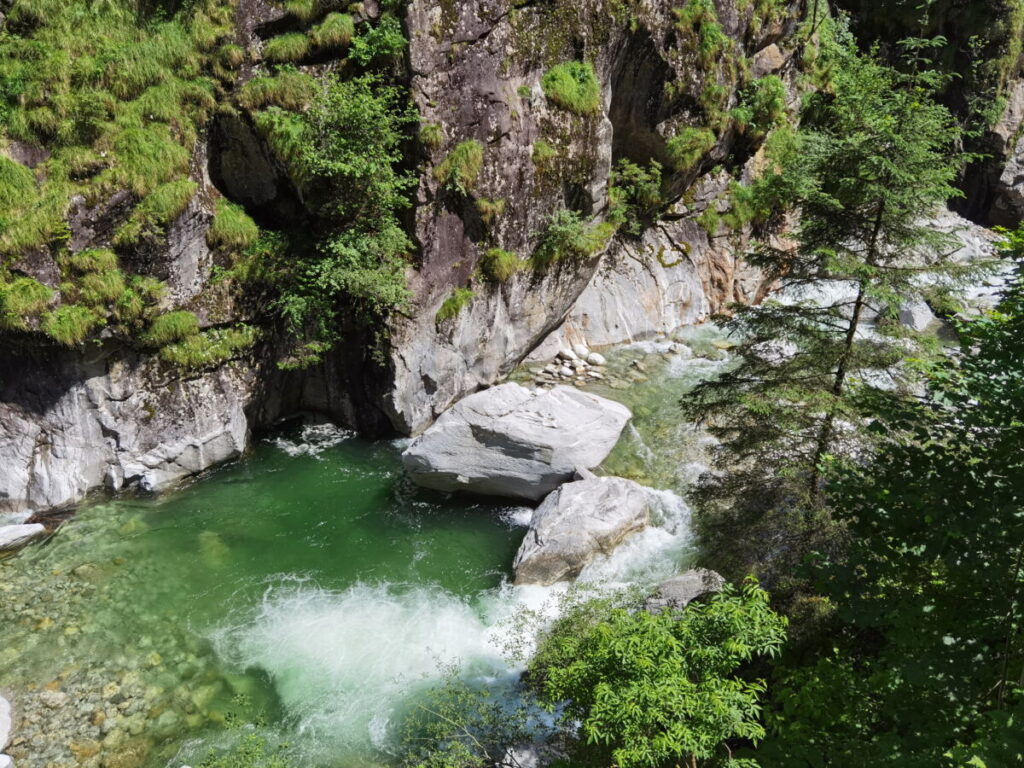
{"points": [[916, 315], [581, 351], [577, 522], [595, 359], [6, 723], [681, 590], [515, 442], [6, 761], [14, 537]]}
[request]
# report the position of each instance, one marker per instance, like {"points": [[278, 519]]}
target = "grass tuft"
{"points": [[490, 209], [210, 347], [498, 265], [231, 227], [290, 47], [170, 328], [686, 148], [70, 324], [458, 172], [20, 298], [573, 86], [288, 89], [335, 31], [454, 304], [162, 206], [569, 238]]}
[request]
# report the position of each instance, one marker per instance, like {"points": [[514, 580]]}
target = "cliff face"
{"points": [[109, 413]]}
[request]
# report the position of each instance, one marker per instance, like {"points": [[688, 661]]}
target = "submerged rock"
{"points": [[15, 536], [516, 442], [681, 590], [577, 522]]}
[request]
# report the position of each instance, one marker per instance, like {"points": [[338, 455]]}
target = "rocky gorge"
{"points": [[417, 475]]}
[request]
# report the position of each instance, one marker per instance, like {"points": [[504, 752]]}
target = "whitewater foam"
{"points": [[313, 440]]}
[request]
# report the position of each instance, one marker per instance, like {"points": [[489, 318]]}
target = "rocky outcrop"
{"points": [[15, 537], [577, 522], [70, 423], [681, 590], [515, 442]]}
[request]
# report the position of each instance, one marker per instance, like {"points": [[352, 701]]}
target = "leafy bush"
{"points": [[210, 347], [762, 108], [573, 86], [288, 89], [171, 327], [498, 265], [384, 41], [568, 237], [458, 172], [70, 324], [335, 31], [454, 304], [231, 227], [687, 147], [656, 689], [635, 193], [289, 47]]}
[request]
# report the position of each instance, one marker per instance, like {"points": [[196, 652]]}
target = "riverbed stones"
{"points": [[17, 536], [576, 523], [681, 590], [515, 442]]}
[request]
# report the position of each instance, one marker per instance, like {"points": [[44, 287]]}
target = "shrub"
{"points": [[460, 169], [70, 324], [498, 265], [231, 227], [289, 47], [385, 41], [635, 193], [454, 304], [573, 86], [568, 237], [687, 147], [288, 89], [489, 210], [210, 347], [763, 106], [335, 31], [171, 327], [21, 297]]}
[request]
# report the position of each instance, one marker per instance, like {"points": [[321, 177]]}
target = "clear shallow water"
{"points": [[309, 587]]}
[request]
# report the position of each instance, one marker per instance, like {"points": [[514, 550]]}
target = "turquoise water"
{"points": [[308, 588]]}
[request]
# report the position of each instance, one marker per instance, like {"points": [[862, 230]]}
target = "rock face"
{"points": [[68, 425], [515, 442], [681, 590], [577, 522], [14, 537]]}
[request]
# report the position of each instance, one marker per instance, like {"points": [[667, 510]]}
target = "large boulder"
{"points": [[516, 442], [577, 522], [681, 590], [16, 536], [6, 723]]}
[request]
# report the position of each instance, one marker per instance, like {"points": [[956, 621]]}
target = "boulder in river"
{"points": [[681, 590], [6, 723], [577, 522], [515, 442], [916, 315], [16, 536]]}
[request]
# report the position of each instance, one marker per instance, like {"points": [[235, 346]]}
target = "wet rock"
{"points": [[577, 522], [595, 359], [6, 723], [17, 536], [515, 442], [681, 590]]}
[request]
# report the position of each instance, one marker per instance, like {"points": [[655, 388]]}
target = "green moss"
{"points": [[171, 327], [687, 147], [573, 86], [70, 324], [231, 227], [335, 31], [498, 265], [210, 347], [21, 298], [490, 210], [458, 172], [159, 208], [454, 304], [290, 47]]}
